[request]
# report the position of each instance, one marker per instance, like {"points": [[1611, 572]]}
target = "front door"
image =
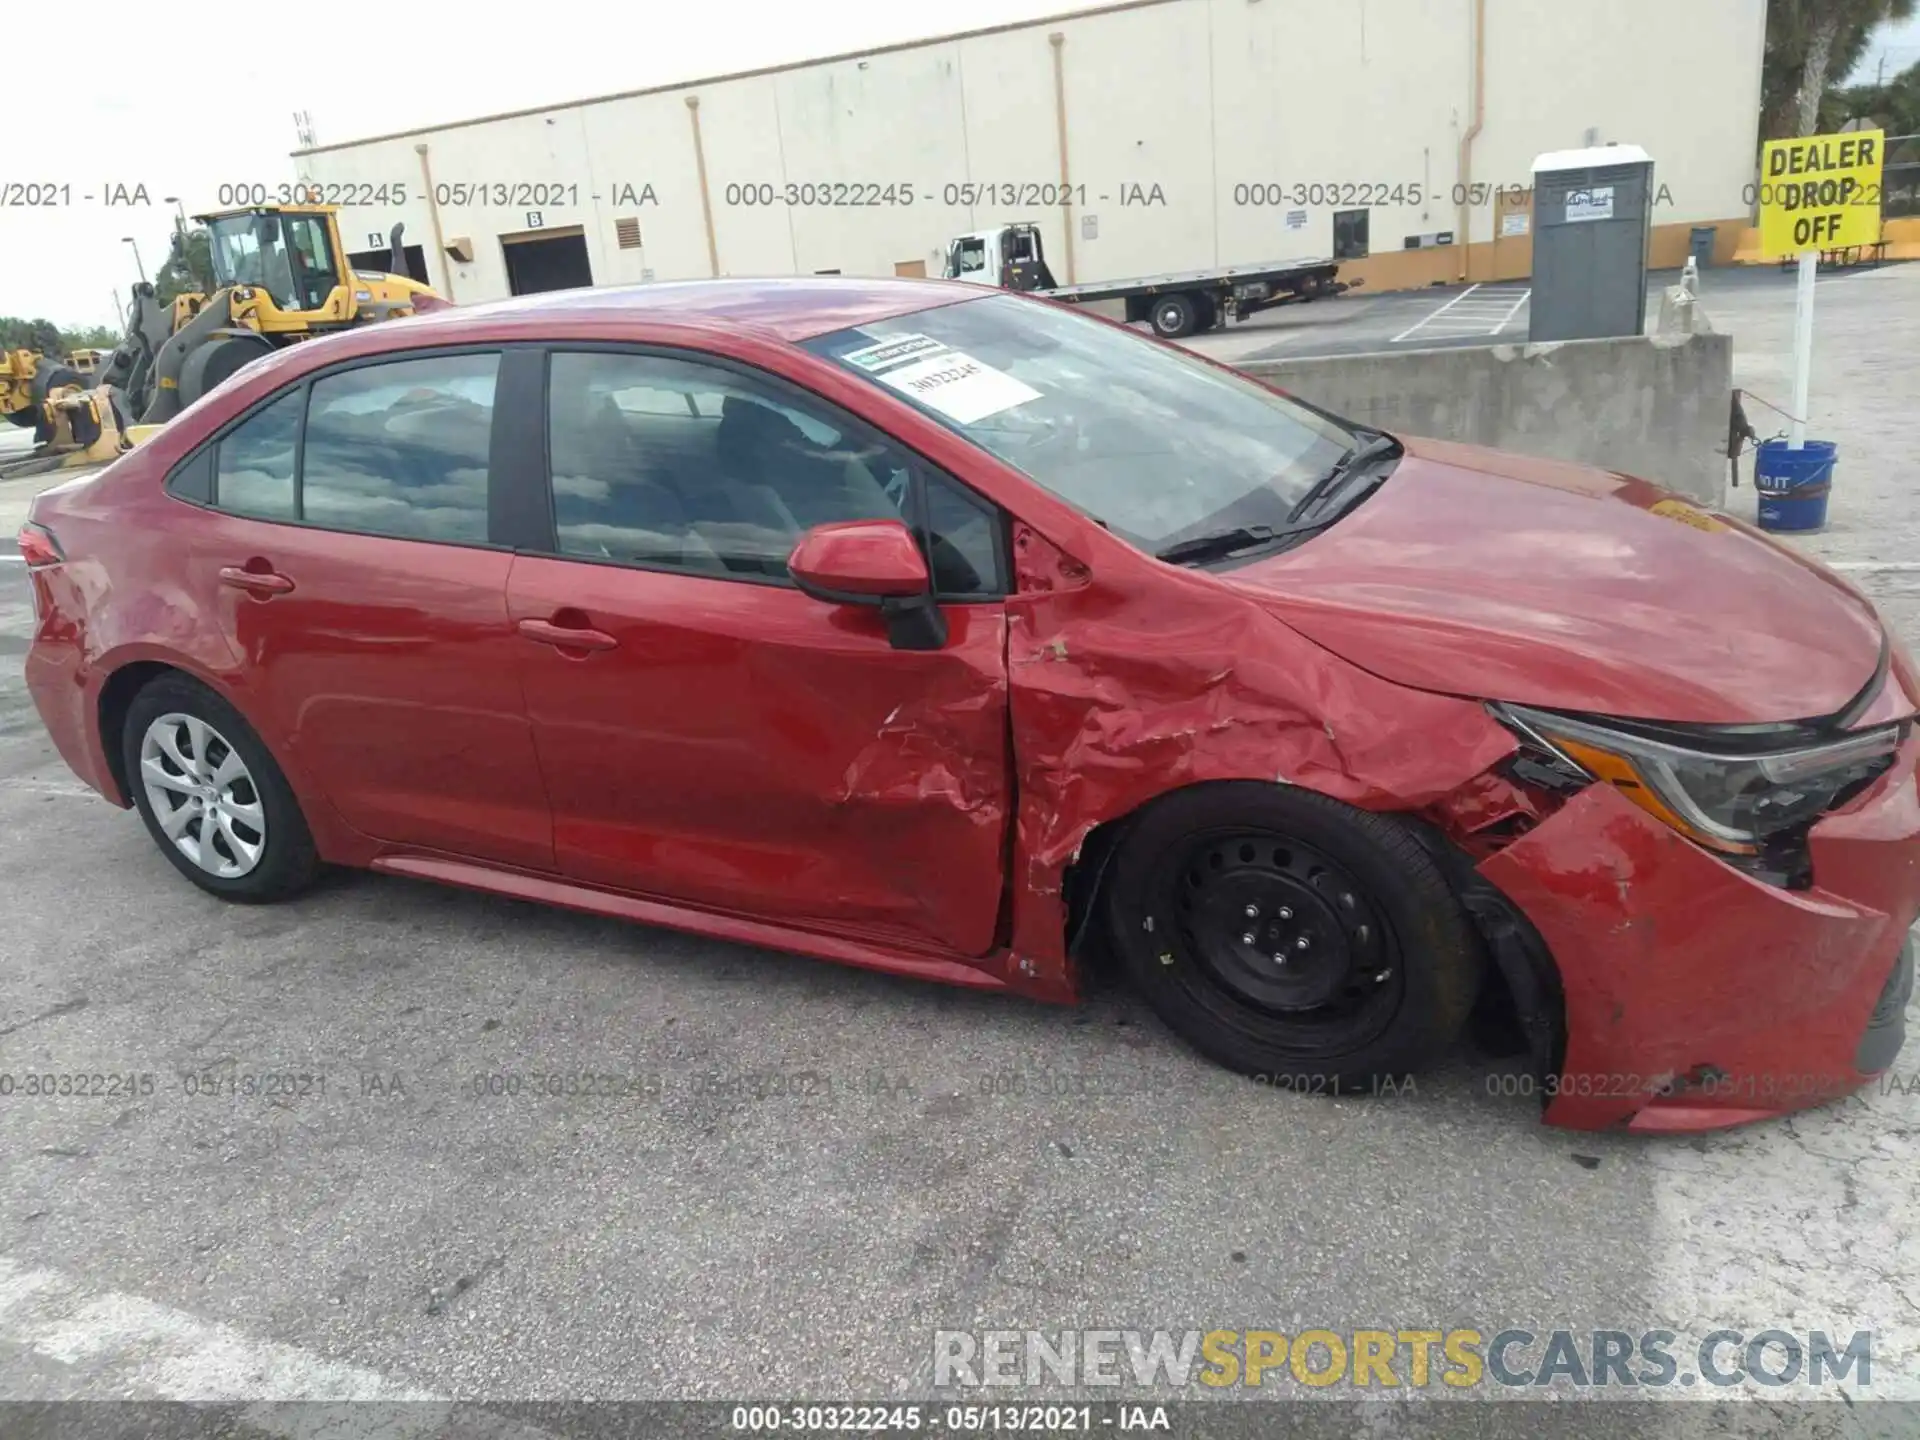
{"points": [[353, 575], [709, 734]]}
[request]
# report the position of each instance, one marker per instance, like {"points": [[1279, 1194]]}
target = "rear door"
{"points": [[709, 734], [350, 559]]}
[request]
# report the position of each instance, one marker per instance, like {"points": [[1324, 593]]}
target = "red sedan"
{"points": [[954, 633]]}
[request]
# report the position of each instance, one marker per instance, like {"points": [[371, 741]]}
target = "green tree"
{"points": [[90, 337], [43, 337], [188, 268], [1893, 107], [1811, 43], [40, 336]]}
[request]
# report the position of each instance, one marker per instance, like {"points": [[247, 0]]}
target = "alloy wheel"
{"points": [[203, 795]]}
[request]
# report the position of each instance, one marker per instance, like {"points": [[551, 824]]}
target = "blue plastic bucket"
{"points": [[1794, 484]]}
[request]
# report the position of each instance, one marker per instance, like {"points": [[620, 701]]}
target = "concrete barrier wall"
{"points": [[1655, 408]]}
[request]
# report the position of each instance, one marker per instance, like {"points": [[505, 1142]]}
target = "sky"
{"points": [[178, 138], [450, 62], [1897, 45]]}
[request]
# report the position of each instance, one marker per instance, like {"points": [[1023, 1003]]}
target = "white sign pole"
{"points": [[1803, 348]]}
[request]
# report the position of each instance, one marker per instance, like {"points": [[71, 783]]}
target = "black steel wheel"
{"points": [[1284, 930], [1174, 316], [1291, 937]]}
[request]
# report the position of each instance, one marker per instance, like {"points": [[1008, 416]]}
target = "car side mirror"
{"points": [[873, 563]]}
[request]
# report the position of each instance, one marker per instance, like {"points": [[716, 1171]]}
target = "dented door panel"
{"points": [[747, 748]]}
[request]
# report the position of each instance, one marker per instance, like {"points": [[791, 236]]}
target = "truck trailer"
{"points": [[1177, 304]]}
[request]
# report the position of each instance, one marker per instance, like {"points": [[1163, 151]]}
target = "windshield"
{"points": [[1154, 444], [289, 257]]}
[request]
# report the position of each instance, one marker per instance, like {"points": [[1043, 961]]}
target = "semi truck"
{"points": [[1012, 258]]}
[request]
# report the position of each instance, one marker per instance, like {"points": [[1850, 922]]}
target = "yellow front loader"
{"points": [[73, 423], [279, 275]]}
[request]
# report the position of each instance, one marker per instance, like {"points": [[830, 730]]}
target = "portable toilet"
{"points": [[1593, 223]]}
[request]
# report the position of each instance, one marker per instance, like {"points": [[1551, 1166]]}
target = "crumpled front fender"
{"points": [[1122, 691]]}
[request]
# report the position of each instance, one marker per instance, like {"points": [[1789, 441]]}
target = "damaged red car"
{"points": [[956, 634]]}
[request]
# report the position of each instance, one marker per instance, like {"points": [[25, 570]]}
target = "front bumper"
{"points": [[1697, 997]]}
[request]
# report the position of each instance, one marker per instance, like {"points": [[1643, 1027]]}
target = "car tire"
{"points": [[1290, 937], [1174, 316], [189, 751]]}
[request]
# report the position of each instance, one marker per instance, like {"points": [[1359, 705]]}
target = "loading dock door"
{"points": [[547, 260]]}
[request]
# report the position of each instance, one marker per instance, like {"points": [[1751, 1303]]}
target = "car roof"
{"points": [[788, 308]]}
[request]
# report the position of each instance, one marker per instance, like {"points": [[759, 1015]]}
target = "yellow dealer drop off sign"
{"points": [[1821, 192]]}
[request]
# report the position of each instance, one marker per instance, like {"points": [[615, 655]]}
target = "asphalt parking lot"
{"points": [[801, 1172], [1447, 317]]}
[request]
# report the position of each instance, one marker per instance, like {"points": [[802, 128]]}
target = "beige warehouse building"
{"points": [[1158, 135]]}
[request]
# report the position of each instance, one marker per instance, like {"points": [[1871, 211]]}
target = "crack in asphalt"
{"points": [[65, 1007]]}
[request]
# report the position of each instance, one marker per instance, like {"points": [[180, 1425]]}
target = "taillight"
{"points": [[38, 547]]}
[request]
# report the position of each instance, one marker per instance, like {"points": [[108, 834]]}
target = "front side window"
{"points": [[967, 258], [398, 448], [311, 251], [1153, 443], [401, 448], [671, 463]]}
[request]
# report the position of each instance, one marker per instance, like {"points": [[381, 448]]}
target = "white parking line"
{"points": [[169, 1353], [1476, 310], [1434, 316], [127, 1347]]}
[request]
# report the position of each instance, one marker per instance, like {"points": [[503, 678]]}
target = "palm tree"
{"points": [[1809, 44]]}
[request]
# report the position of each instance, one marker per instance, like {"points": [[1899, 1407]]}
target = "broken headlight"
{"points": [[1720, 790]]}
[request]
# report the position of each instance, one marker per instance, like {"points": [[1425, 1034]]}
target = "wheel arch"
{"points": [[116, 700], [1528, 975], [1086, 874], [125, 681]]}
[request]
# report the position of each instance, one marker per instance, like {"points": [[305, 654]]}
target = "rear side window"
{"points": [[397, 448], [401, 449], [253, 465]]}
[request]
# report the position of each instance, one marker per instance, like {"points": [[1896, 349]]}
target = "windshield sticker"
{"points": [[959, 386], [894, 351]]}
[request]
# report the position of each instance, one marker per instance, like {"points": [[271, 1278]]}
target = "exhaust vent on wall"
{"points": [[627, 232]]}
